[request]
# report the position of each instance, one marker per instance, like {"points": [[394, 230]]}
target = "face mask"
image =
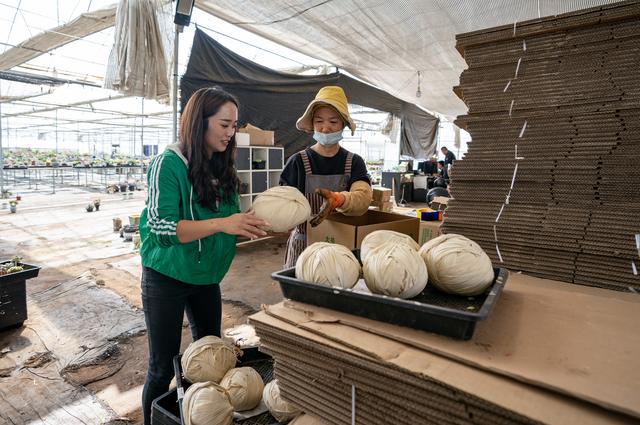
{"points": [[328, 139]]}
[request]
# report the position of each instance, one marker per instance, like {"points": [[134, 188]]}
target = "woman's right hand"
{"points": [[244, 224]]}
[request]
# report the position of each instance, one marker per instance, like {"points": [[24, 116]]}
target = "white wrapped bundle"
{"points": [[328, 264], [284, 207], [279, 408], [396, 270], [207, 403], [457, 265], [382, 237], [244, 387], [207, 359]]}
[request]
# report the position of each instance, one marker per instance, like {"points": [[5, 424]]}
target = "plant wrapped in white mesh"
{"points": [[207, 403], [395, 269], [207, 359], [382, 237], [457, 265], [284, 207], [328, 264], [244, 386], [279, 408]]}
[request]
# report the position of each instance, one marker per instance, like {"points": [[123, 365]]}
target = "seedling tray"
{"points": [[432, 310]]}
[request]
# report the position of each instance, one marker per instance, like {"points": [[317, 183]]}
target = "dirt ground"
{"points": [[75, 360]]}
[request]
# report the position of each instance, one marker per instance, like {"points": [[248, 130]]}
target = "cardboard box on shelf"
{"points": [[428, 231], [385, 206], [259, 137], [243, 139], [349, 231], [381, 194]]}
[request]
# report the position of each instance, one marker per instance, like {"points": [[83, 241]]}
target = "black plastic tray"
{"points": [[432, 310], [165, 409], [30, 271]]}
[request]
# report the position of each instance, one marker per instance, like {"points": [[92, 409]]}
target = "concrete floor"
{"points": [[81, 355]]}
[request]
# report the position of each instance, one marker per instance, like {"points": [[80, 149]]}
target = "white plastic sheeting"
{"points": [[84, 25], [386, 42], [138, 63]]}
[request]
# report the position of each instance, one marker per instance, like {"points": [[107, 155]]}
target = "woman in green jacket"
{"points": [[188, 232]]}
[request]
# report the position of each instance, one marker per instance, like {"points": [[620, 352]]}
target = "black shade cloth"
{"points": [[274, 100]]}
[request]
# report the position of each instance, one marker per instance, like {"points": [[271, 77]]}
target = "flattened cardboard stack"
{"points": [[551, 182], [543, 356]]}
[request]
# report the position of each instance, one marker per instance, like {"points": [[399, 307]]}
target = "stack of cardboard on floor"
{"points": [[550, 184], [550, 353], [382, 199]]}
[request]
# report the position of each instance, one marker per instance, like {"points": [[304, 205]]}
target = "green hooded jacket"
{"points": [[169, 200]]}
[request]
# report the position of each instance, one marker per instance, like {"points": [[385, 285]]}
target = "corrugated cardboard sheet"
{"points": [[559, 99]]}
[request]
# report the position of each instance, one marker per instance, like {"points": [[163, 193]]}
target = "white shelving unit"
{"points": [[259, 168]]}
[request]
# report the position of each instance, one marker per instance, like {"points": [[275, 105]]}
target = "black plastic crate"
{"points": [[13, 295], [166, 411], [432, 310]]}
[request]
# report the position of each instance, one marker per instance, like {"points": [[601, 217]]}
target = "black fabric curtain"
{"points": [[274, 100]]}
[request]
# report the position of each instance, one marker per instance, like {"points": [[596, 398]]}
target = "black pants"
{"points": [[164, 301]]}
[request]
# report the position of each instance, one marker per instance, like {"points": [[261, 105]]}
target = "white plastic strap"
{"points": [[514, 29], [511, 107], [524, 46], [517, 68], [353, 404], [498, 252], [633, 267], [500, 213], [507, 86], [524, 127], [513, 179], [517, 157], [638, 242], [495, 234]]}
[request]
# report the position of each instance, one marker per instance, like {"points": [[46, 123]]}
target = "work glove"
{"points": [[332, 200]]}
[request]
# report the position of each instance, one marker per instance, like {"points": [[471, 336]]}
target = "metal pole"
{"points": [[174, 127], [1, 152], [142, 131]]}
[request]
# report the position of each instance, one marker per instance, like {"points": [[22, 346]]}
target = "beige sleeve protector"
{"points": [[357, 199]]}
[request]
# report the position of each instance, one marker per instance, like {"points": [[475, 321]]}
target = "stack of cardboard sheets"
{"points": [[551, 182], [543, 356]]}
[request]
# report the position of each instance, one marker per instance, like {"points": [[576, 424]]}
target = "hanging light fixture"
{"points": [[418, 92], [183, 12]]}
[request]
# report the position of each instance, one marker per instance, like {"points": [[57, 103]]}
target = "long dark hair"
{"points": [[208, 175]]}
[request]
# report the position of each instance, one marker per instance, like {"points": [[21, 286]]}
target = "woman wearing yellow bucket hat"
{"points": [[331, 177]]}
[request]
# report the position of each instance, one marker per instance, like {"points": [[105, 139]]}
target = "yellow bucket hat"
{"points": [[332, 96]]}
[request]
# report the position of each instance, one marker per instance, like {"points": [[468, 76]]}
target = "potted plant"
{"points": [[13, 276], [13, 205], [96, 204], [89, 208]]}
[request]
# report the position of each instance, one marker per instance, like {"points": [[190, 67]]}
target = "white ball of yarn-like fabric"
{"points": [[457, 265], [395, 269], [382, 237], [207, 359], [328, 264], [244, 386], [279, 408], [207, 403], [284, 207]]}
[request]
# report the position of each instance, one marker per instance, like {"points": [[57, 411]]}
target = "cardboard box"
{"points": [[381, 194], [243, 139], [258, 136], [385, 206], [428, 231], [349, 231]]}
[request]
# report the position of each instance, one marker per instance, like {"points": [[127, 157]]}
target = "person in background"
{"points": [[442, 170], [326, 170], [188, 233], [449, 157]]}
